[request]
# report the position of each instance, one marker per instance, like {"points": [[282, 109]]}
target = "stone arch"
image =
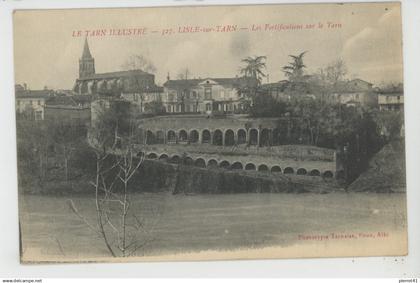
{"points": [[327, 174], [229, 138], [265, 137], [263, 167], [102, 86], [206, 136], [194, 136], [91, 87], [250, 166], [288, 170], [160, 137], [212, 163], [276, 136], [314, 172], [253, 137], [171, 136], [150, 137], [218, 137], [241, 136], [188, 161], [237, 166], [175, 159], [275, 169], [152, 155], [224, 164], [301, 171], [183, 136], [163, 157], [200, 162]]}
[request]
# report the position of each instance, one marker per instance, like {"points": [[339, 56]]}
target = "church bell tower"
{"points": [[86, 62]]}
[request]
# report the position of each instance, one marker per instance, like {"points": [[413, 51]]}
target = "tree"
{"points": [[155, 107], [294, 70], [335, 71], [32, 143], [64, 137], [183, 74], [254, 67], [139, 62], [116, 164], [266, 106]]}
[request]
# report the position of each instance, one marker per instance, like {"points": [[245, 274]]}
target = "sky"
{"points": [[367, 36]]}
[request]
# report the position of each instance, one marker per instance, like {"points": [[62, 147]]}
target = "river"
{"points": [[181, 223]]}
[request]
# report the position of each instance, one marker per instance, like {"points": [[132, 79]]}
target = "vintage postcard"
{"points": [[210, 132]]}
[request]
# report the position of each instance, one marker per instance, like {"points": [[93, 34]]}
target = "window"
{"points": [[39, 102], [207, 93], [208, 107], [38, 115], [194, 94]]}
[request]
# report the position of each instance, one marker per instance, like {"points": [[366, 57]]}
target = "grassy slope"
{"points": [[386, 172]]}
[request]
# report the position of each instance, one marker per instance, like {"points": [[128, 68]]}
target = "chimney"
{"points": [[168, 77]]}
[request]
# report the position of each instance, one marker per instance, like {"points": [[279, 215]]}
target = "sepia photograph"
{"points": [[210, 132]]}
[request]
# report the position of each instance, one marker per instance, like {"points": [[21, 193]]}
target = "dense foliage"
{"points": [[51, 151], [355, 132]]}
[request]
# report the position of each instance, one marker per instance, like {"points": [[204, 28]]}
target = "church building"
{"points": [[120, 83]]}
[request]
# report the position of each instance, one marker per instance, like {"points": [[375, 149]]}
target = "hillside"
{"points": [[386, 172]]}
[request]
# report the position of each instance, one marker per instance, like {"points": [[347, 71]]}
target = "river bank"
{"points": [[161, 176]]}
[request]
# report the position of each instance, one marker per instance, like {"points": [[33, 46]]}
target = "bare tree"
{"points": [[335, 71], [63, 136], [184, 74], [137, 87], [123, 233], [139, 62]]}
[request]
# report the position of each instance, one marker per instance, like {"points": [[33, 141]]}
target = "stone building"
{"points": [[30, 103], [285, 90], [209, 95], [355, 92], [391, 98], [131, 84]]}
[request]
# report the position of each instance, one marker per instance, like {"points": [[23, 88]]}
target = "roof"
{"points": [[277, 85], [45, 93], [233, 82], [360, 81], [356, 85], [74, 100], [86, 52], [393, 90], [293, 87], [115, 75]]}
